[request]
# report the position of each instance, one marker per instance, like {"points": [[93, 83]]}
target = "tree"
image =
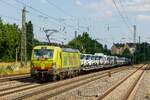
{"points": [[86, 44], [1, 21], [142, 52], [9, 41], [126, 53], [30, 37], [106, 50]]}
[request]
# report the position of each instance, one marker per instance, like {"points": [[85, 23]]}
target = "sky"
{"points": [[104, 21]]}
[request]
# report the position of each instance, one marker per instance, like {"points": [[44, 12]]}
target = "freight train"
{"points": [[99, 60], [55, 63]]}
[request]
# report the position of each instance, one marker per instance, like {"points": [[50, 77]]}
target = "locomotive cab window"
{"points": [[43, 53]]}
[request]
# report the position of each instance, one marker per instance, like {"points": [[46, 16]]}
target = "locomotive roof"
{"points": [[52, 47], [44, 46]]}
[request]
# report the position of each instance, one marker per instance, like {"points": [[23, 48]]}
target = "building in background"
{"points": [[118, 48]]}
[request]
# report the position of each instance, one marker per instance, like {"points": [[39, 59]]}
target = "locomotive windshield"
{"points": [[43, 53]]}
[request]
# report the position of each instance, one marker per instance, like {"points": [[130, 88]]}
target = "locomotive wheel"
{"points": [[49, 77], [57, 77], [74, 74]]}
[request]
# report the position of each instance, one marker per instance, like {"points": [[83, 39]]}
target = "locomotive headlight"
{"points": [[42, 66]]}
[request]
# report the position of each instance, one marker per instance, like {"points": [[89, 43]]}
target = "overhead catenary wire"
{"points": [[27, 11], [63, 11], [59, 8], [9, 4], [123, 7], [9, 17], [37, 15], [34, 9], [3, 1], [42, 13], [126, 23], [125, 13]]}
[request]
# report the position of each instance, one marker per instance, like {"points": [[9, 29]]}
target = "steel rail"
{"points": [[85, 81], [118, 84]]}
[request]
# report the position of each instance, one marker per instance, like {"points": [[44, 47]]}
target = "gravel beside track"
{"points": [[144, 86], [93, 89], [14, 77], [46, 87], [125, 87], [5, 76], [13, 85]]}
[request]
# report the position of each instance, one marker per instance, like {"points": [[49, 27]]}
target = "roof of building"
{"points": [[118, 45], [131, 44]]}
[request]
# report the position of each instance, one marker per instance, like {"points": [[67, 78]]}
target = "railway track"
{"points": [[60, 87], [3, 76], [79, 81], [14, 77], [129, 95]]}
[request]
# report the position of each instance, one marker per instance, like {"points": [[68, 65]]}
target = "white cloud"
{"points": [[139, 8], [143, 17], [94, 7], [109, 2], [43, 1], [138, 5], [108, 13], [78, 2], [106, 8], [99, 6], [129, 5]]}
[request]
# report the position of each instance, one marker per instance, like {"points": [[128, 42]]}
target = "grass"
{"points": [[9, 68]]}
